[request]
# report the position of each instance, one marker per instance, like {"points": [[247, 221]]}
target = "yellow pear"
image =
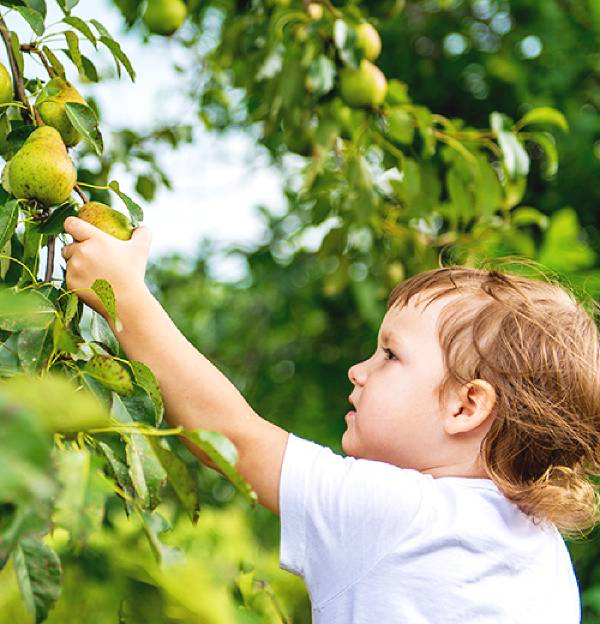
{"points": [[6, 86], [106, 219], [51, 106], [164, 17], [42, 169], [368, 40], [365, 86]]}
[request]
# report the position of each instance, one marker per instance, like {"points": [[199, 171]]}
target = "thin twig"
{"points": [[31, 49]]}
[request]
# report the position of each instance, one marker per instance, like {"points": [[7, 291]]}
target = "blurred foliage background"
{"points": [[314, 289]]}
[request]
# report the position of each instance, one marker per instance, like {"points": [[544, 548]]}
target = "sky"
{"points": [[217, 181]]}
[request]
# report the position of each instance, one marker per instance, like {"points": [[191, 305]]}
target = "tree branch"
{"points": [[31, 49], [18, 84], [50, 260]]}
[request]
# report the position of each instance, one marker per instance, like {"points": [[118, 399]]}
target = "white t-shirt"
{"points": [[378, 544]]}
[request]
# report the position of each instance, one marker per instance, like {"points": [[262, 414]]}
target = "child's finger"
{"points": [[68, 250], [79, 229], [142, 236]]}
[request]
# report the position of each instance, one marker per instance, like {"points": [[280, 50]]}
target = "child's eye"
{"points": [[389, 354]]}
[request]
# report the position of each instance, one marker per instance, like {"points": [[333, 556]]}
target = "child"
{"points": [[473, 427]]}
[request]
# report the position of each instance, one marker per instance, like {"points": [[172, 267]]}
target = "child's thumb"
{"points": [[142, 236]]}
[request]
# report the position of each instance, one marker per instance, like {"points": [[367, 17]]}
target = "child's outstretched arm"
{"points": [[195, 393]]}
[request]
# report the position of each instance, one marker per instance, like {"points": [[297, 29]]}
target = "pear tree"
{"points": [[81, 423]]}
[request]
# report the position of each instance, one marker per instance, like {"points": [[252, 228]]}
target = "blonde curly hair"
{"points": [[539, 347]]}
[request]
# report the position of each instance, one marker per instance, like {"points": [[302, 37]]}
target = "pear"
{"points": [[51, 106], [365, 86], [164, 17], [42, 169], [315, 11], [368, 40], [6, 86], [106, 219]]}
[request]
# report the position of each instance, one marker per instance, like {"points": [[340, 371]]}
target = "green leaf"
{"points": [[37, 5], [55, 401], [180, 479], [102, 333], [105, 293], [222, 452], [82, 27], [9, 216], [33, 18], [85, 120], [547, 144], [39, 575], [401, 125], [91, 73], [101, 29], [34, 348], [321, 76], [135, 210], [145, 378], [563, 248], [16, 48], [119, 472], [67, 5], [74, 52], [24, 309], [71, 307], [56, 65], [526, 215], [119, 56], [54, 224], [147, 474], [109, 373], [154, 524], [62, 339], [543, 115], [516, 159], [79, 506]]}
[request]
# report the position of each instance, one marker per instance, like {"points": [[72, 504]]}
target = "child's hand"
{"points": [[96, 255]]}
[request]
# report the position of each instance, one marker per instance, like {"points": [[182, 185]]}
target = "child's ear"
{"points": [[473, 405]]}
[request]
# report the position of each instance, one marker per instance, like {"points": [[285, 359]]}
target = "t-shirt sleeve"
{"points": [[340, 515]]}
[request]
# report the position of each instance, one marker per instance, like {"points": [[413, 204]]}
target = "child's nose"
{"points": [[357, 374]]}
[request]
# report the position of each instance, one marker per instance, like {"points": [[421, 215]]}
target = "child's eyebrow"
{"points": [[389, 336]]}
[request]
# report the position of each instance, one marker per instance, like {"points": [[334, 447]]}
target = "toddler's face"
{"points": [[396, 416]]}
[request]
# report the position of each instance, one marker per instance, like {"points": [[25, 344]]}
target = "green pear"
{"points": [[107, 219], [164, 17], [365, 86], [368, 40], [6, 86], [51, 106], [315, 11], [42, 169]]}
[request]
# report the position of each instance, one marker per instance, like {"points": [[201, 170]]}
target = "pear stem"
{"points": [[18, 84], [81, 194]]}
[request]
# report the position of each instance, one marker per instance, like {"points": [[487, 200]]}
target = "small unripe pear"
{"points": [[365, 86], [164, 17], [6, 86], [368, 40], [107, 219], [315, 10], [42, 169], [51, 106]]}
